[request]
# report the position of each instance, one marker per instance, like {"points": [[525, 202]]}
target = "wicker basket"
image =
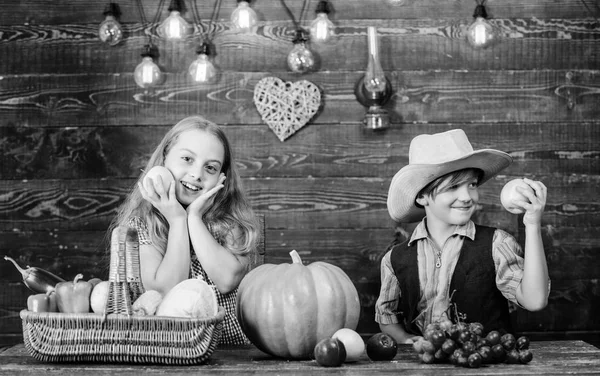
{"points": [[117, 336]]}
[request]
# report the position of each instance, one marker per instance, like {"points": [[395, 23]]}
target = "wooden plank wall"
{"points": [[75, 131]]}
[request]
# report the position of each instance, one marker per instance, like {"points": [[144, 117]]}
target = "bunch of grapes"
{"points": [[464, 344]]}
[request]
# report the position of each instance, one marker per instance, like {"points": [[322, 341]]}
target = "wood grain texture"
{"points": [[294, 202], [81, 11], [75, 131], [318, 150], [550, 358], [484, 97], [526, 43]]}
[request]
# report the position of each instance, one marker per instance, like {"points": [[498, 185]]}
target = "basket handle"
{"points": [[124, 276]]}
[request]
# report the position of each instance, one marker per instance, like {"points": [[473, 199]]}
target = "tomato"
{"points": [[381, 346], [330, 352]]}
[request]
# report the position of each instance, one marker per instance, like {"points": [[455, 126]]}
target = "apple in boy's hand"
{"points": [[510, 195], [155, 171]]}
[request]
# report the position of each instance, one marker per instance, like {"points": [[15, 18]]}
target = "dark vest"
{"points": [[473, 283]]}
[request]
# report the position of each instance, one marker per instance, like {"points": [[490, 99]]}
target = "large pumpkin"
{"points": [[286, 309]]}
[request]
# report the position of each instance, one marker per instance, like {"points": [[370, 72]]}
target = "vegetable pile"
{"points": [[190, 298]]}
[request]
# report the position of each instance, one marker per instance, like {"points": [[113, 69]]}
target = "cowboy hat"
{"points": [[433, 156]]}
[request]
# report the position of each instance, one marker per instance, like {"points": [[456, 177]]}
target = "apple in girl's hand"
{"points": [[155, 171], [510, 195]]}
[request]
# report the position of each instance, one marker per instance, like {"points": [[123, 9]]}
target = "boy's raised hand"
{"points": [[537, 202], [201, 204], [162, 199]]}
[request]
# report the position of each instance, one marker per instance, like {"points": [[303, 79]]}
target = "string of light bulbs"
{"points": [[479, 34], [175, 26], [322, 30], [147, 74], [300, 59], [202, 70], [243, 18], [110, 30]]}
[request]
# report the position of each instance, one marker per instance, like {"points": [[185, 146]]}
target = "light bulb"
{"points": [[481, 33], [375, 80], [322, 29], [110, 30], [300, 59], [175, 26], [202, 69], [243, 17], [147, 74]]}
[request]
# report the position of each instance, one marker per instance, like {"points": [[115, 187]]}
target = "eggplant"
{"points": [[37, 280]]}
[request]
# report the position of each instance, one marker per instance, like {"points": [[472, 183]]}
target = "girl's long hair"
{"points": [[229, 210]]}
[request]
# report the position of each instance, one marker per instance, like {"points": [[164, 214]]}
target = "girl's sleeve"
{"points": [[139, 224], [386, 307]]}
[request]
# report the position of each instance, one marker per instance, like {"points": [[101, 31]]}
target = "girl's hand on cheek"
{"points": [[163, 200], [201, 204], [537, 202]]}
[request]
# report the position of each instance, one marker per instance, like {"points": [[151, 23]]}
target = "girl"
{"points": [[201, 226], [448, 257]]}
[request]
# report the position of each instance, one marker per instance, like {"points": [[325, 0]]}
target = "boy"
{"points": [[447, 254]]}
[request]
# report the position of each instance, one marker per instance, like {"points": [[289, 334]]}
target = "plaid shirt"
{"points": [[435, 281]]}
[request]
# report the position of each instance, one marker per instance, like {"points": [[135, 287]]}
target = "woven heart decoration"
{"points": [[286, 106]]}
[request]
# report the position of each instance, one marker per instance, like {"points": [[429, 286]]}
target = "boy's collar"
{"points": [[420, 232]]}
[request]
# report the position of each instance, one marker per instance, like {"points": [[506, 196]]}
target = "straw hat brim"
{"points": [[411, 179]]}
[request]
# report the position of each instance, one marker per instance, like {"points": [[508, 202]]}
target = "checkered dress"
{"points": [[232, 332]]}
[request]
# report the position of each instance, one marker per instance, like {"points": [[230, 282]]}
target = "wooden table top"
{"points": [[549, 358]]}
